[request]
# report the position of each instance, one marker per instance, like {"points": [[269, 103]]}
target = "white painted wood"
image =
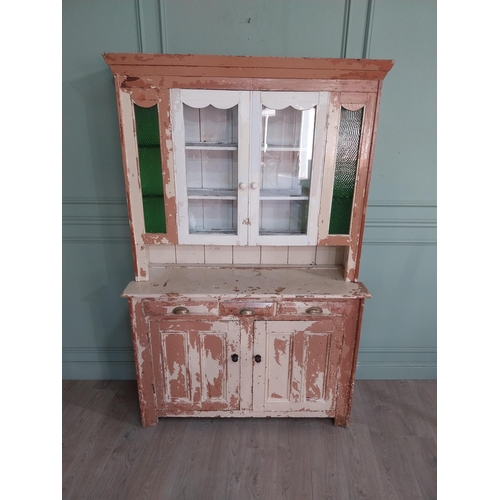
{"points": [[161, 254], [302, 255], [289, 377], [202, 98], [133, 179], [297, 100], [281, 213], [190, 254], [218, 254], [198, 282], [210, 168], [332, 130], [274, 255]]}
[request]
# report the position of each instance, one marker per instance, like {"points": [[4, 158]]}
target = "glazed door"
{"points": [[196, 364], [210, 130], [296, 364], [287, 142]]}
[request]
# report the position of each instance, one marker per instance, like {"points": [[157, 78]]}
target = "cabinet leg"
{"points": [[341, 421], [148, 418]]}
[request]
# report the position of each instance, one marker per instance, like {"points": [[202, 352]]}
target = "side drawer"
{"points": [[247, 308], [312, 307], [166, 308]]}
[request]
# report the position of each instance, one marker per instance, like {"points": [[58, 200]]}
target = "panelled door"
{"points": [[296, 364], [196, 364]]}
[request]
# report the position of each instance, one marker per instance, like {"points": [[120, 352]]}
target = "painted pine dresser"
{"points": [[247, 183]]}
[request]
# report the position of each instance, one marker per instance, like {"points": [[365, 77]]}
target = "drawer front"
{"points": [[312, 308], [181, 308], [247, 308]]}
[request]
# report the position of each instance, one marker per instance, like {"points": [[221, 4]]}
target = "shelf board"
{"points": [[212, 194], [282, 194], [281, 148], [211, 146]]}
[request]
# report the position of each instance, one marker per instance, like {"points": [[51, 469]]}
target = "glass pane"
{"points": [[211, 149], [283, 216], [287, 138], [345, 170], [148, 144], [212, 216]]}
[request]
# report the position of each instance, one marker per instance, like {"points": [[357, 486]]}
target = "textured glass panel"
{"points": [[148, 143], [345, 170], [211, 153]]}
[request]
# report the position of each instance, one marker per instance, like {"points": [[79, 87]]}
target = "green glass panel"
{"points": [[345, 170], [148, 143], [154, 214]]}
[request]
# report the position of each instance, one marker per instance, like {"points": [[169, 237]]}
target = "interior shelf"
{"points": [[212, 194], [210, 146]]}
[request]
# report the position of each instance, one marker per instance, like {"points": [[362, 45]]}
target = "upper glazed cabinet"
{"points": [[246, 164], [247, 151]]}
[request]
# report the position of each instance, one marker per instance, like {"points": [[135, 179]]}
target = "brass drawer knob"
{"points": [[314, 310], [245, 312], [181, 310]]}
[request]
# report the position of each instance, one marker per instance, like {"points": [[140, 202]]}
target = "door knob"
{"points": [[258, 358], [254, 185], [242, 185], [234, 357]]}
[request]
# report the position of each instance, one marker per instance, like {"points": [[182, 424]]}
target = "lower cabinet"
{"points": [[285, 364]]}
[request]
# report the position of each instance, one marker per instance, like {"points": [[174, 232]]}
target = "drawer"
{"points": [[312, 307], [238, 308], [178, 308]]}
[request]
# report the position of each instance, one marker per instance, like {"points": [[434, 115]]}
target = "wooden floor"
{"points": [[388, 452]]}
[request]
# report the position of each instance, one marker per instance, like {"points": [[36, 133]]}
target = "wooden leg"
{"points": [[341, 421], [148, 418]]}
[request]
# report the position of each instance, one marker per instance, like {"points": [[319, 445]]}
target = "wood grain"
{"points": [[388, 452]]}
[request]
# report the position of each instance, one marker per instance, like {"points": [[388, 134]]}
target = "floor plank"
{"points": [[388, 451]]}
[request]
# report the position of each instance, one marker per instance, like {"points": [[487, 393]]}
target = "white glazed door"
{"points": [[296, 364], [210, 132], [196, 364], [286, 157]]}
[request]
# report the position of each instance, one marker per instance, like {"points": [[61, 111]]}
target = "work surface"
{"points": [[267, 282]]}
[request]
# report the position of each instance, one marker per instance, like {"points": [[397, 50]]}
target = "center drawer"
{"points": [[247, 308]]}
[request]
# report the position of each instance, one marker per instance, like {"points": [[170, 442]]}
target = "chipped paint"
{"points": [[310, 365]]}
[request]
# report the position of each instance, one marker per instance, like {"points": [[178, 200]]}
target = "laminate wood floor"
{"points": [[388, 452]]}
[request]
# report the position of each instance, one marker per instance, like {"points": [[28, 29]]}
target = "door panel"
{"points": [[193, 365], [299, 368]]}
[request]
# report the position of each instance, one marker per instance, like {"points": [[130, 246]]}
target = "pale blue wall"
{"points": [[399, 255]]}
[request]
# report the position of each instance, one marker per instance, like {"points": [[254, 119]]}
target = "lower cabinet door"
{"points": [[196, 364], [296, 364]]}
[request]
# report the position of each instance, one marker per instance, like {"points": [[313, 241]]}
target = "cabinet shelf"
{"points": [[212, 194], [212, 146], [271, 147], [283, 194]]}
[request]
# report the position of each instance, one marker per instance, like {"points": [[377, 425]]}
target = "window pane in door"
{"points": [[287, 141], [211, 152]]}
